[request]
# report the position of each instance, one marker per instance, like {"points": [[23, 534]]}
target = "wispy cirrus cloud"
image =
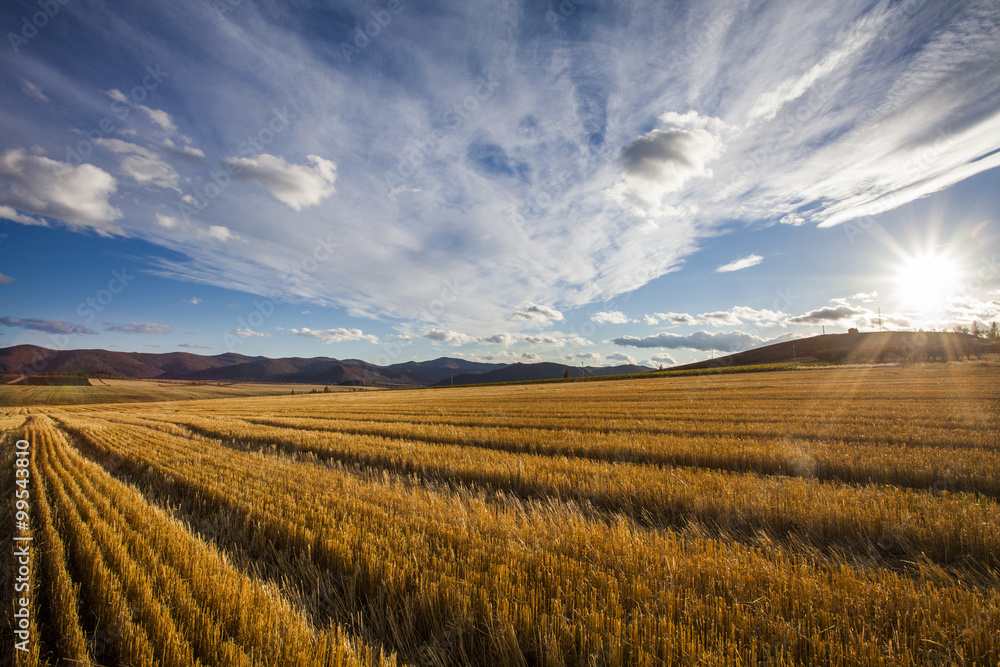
{"points": [[250, 333], [145, 328], [720, 341], [296, 185], [48, 326], [740, 264], [338, 335], [584, 173]]}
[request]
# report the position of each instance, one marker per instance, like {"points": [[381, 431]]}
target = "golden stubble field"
{"points": [[131, 391], [829, 516]]}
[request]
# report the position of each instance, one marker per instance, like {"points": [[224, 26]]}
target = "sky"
{"points": [[593, 183]]}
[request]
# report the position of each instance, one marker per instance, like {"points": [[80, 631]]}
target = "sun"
{"points": [[925, 282]]}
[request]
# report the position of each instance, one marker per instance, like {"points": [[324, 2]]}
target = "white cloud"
{"points": [[166, 221], [662, 359], [6, 280], [603, 179], [9, 213], [740, 314], [140, 328], [734, 341], [536, 312], [161, 118], [670, 318], [500, 339], [550, 339], [584, 356], [624, 358], [141, 164], [48, 326], [194, 301], [739, 264], [78, 195], [610, 317], [830, 315], [556, 339], [444, 336], [250, 333], [663, 160], [340, 335], [217, 232], [298, 186], [158, 116], [33, 91]]}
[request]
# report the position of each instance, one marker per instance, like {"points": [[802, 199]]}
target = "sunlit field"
{"points": [[123, 391], [827, 516]]}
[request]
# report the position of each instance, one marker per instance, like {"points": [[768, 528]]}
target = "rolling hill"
{"points": [[540, 371], [833, 348], [33, 360], [867, 347]]}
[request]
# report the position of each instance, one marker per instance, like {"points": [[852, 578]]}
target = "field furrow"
{"points": [[888, 522], [546, 572], [171, 599], [840, 516]]}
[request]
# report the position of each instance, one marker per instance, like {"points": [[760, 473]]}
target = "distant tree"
{"points": [[566, 374], [976, 331], [961, 328], [994, 332], [326, 389], [313, 391], [293, 392]]}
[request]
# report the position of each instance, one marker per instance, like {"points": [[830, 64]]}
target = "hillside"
{"points": [[33, 360], [541, 371], [868, 347]]}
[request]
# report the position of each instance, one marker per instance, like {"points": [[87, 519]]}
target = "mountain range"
{"points": [[26, 360], [31, 359]]}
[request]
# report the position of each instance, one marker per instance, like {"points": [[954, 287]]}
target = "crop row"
{"points": [[941, 468], [160, 596], [948, 529], [508, 581]]}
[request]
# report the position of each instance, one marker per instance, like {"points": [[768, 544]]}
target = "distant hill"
{"points": [[867, 347], [541, 371], [30, 360], [34, 360]]}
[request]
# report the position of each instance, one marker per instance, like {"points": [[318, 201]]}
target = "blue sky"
{"points": [[587, 182]]}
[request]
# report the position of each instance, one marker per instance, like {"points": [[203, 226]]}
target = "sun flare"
{"points": [[926, 282]]}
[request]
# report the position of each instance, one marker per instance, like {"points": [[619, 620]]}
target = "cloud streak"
{"points": [[583, 172], [740, 264], [705, 341], [338, 335], [144, 328], [48, 326]]}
